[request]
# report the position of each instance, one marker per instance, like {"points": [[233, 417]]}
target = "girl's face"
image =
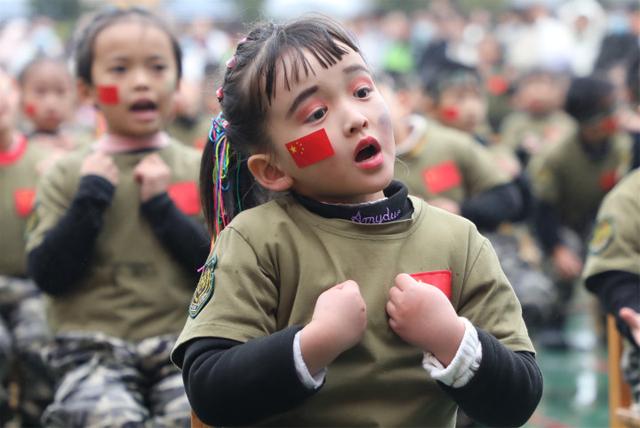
{"points": [[462, 107], [48, 96], [343, 101], [134, 76], [8, 103]]}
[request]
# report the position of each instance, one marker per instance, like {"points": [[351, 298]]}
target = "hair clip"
{"points": [[231, 62], [219, 94]]}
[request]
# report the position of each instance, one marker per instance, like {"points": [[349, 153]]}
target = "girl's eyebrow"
{"points": [[300, 98], [313, 89]]}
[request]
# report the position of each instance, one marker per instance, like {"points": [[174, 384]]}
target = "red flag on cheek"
{"points": [[442, 177], [108, 94], [30, 110], [609, 125], [449, 114], [310, 149], [440, 279], [24, 199]]}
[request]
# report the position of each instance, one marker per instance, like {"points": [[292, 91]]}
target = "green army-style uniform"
{"points": [[118, 324], [566, 178], [257, 283], [23, 325], [528, 135], [615, 246], [447, 163], [573, 184]]}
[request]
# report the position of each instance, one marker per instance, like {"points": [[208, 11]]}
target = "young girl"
{"points": [[117, 244], [48, 96], [23, 326], [305, 313]]}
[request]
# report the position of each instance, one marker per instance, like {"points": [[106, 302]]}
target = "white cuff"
{"points": [[464, 364], [311, 382]]}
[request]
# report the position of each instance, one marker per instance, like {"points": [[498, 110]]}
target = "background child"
{"points": [[539, 120], [305, 282], [569, 181], [612, 271], [23, 327], [116, 244], [48, 101]]}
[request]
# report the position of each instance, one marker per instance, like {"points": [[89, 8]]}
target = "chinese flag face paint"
{"points": [[30, 110], [108, 94], [310, 149], [449, 114], [442, 177]]}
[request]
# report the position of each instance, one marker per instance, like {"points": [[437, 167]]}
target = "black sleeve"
{"points": [[494, 206], [58, 263], [505, 390], [546, 226], [185, 239], [617, 290], [229, 383]]}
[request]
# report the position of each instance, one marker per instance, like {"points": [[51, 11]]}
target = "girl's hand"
{"points": [[153, 175], [632, 318], [338, 323], [566, 262], [422, 315], [102, 165]]}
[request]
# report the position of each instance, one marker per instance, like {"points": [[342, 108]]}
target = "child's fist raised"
{"points": [[338, 323], [423, 316], [153, 175], [100, 164]]}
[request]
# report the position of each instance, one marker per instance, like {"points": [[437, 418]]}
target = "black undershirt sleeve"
{"points": [[184, 238], [505, 390], [494, 206], [546, 226], [229, 383], [617, 290], [60, 261]]}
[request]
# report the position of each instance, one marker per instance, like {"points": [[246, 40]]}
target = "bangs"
{"points": [[327, 45]]}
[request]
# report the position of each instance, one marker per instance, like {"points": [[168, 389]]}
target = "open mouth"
{"points": [[367, 149], [143, 105]]}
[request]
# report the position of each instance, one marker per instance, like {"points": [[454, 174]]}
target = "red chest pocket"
{"points": [[185, 196], [441, 177], [438, 278], [608, 180], [23, 200]]}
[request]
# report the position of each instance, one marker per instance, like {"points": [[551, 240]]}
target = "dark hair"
{"points": [[38, 61], [85, 39], [248, 89], [447, 74], [588, 97]]}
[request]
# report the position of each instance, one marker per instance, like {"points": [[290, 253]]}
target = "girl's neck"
{"points": [[114, 143]]}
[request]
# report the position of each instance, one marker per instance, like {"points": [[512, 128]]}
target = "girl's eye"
{"points": [[362, 92], [118, 69], [316, 115], [159, 67]]}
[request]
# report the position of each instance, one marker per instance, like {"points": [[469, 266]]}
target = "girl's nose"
{"points": [[140, 79], [355, 122]]}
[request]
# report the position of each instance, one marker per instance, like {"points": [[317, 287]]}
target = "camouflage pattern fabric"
{"points": [[23, 333], [534, 289], [107, 382]]}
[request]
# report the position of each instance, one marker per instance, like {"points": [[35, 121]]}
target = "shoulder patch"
{"points": [[603, 234], [204, 290]]}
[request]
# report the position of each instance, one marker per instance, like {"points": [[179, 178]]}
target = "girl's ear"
{"points": [[267, 174]]}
